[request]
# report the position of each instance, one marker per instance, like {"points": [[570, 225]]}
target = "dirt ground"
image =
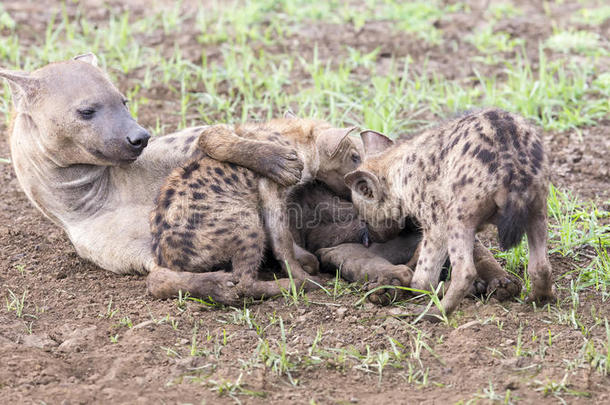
{"points": [[89, 336]]}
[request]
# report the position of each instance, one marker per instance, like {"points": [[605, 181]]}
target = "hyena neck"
{"points": [[402, 176], [62, 193]]}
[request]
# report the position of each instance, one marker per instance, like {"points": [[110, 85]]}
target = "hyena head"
{"points": [[339, 154], [370, 189], [76, 113]]}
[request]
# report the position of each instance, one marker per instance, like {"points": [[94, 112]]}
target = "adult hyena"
{"points": [[82, 160]]}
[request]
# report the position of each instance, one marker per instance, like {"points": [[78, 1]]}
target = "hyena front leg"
{"points": [[359, 263], [279, 163], [463, 273], [277, 226], [432, 256]]}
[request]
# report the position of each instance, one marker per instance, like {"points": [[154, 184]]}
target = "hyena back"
{"points": [[486, 167], [212, 215]]}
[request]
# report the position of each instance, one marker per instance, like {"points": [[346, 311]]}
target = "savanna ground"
{"points": [[71, 331]]}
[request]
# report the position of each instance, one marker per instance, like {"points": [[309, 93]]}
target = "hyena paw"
{"points": [[504, 288], [227, 294], [331, 258], [478, 288], [399, 276], [283, 166], [542, 297], [309, 262]]}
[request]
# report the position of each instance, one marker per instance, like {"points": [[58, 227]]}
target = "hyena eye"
{"points": [[125, 102], [86, 113], [356, 158], [364, 189]]}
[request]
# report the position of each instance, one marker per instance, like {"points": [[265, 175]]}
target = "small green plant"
{"points": [[110, 312], [586, 42], [16, 303]]}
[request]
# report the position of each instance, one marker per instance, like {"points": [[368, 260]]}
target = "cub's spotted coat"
{"points": [[212, 215], [486, 167]]}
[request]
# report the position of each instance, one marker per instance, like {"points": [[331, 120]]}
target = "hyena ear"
{"points": [[89, 57], [288, 114], [333, 138], [363, 183], [24, 87], [375, 142]]}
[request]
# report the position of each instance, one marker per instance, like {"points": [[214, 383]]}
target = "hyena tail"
{"points": [[513, 217]]}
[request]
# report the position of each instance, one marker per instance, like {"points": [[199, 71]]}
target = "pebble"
{"points": [[77, 339], [468, 325], [41, 341], [396, 311]]}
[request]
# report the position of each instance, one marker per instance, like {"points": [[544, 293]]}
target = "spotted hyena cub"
{"points": [[485, 167], [212, 215]]}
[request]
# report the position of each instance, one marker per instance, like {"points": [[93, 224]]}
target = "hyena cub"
{"points": [[212, 215], [486, 167]]}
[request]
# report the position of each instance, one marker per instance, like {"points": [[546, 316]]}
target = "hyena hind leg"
{"points": [[539, 267], [247, 260], [217, 285]]}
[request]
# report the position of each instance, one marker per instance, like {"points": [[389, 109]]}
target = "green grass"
{"points": [[585, 42]]}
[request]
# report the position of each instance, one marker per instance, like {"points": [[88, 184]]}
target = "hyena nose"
{"points": [[139, 140]]}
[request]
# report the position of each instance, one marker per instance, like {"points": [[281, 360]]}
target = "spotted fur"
{"points": [[212, 215], [485, 167]]}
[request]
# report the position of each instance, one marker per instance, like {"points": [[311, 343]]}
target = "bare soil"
{"points": [[69, 356]]}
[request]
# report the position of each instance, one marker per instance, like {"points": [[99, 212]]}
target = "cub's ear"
{"points": [[375, 142], [332, 138], [288, 114], [24, 87], [364, 184], [90, 58]]}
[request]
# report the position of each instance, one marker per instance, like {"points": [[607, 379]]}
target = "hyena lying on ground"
{"points": [[487, 167], [74, 147], [212, 215], [328, 224]]}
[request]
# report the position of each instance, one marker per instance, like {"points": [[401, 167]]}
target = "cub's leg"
{"points": [[217, 285], [279, 163], [403, 249], [498, 282], [463, 275], [358, 263], [539, 267], [278, 229], [432, 256]]}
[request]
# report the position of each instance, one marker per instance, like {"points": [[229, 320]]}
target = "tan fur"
{"points": [[487, 167], [216, 216], [83, 174]]}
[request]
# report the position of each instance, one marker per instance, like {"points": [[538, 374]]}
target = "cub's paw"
{"points": [[309, 262], [341, 256], [399, 276], [282, 165], [542, 297], [504, 288]]}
